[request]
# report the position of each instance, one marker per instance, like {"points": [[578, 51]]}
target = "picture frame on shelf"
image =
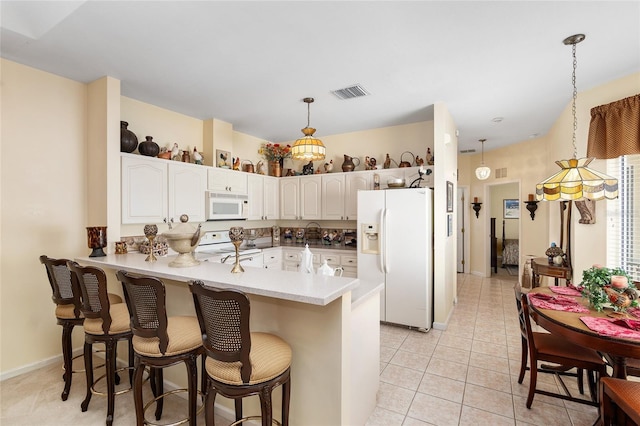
{"points": [[449, 197], [223, 159], [511, 208]]}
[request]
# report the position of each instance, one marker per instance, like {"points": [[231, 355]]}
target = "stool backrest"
{"points": [[64, 286], [223, 316], [93, 286], [146, 300]]}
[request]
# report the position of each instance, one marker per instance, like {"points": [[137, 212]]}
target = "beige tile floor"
{"points": [[466, 375]]}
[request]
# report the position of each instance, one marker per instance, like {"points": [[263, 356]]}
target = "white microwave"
{"points": [[221, 206]]}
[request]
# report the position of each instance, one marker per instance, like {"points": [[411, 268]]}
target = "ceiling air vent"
{"points": [[355, 91], [467, 151]]}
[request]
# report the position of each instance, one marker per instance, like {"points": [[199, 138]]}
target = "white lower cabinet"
{"points": [[335, 258], [272, 258]]}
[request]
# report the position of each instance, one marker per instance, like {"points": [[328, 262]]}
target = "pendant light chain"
{"points": [[575, 96]]}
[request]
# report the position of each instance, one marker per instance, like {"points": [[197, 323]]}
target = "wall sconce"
{"points": [[476, 206], [532, 206]]}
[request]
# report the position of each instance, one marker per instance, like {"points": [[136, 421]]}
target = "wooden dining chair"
{"points": [[550, 348], [619, 402]]}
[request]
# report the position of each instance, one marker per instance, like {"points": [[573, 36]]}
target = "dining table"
{"points": [[571, 324]]}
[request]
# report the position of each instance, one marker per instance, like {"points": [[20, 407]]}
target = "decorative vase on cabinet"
{"points": [[275, 168], [149, 147], [128, 139]]}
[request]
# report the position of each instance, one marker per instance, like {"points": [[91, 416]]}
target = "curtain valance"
{"points": [[615, 129]]}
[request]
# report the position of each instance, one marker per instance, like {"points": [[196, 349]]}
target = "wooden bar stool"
{"points": [[104, 323], [160, 341], [619, 401], [66, 296], [240, 363]]}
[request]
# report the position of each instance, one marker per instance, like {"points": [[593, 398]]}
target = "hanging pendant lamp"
{"points": [[576, 181], [308, 148], [483, 172]]}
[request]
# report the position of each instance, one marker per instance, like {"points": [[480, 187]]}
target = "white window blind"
{"points": [[623, 216]]}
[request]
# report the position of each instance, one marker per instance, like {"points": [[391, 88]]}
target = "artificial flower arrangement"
{"points": [[274, 151], [602, 285]]}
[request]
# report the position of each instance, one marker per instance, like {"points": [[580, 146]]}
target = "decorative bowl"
{"points": [[396, 183]]}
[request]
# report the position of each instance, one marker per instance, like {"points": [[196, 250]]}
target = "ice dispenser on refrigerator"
{"points": [[370, 238]]}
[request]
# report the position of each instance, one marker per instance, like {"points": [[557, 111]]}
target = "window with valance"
{"points": [[614, 134], [615, 129]]}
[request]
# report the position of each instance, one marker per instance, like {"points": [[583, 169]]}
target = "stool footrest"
{"points": [[179, 422]]}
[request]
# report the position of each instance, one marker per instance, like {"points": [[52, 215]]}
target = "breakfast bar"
{"points": [[331, 323]]}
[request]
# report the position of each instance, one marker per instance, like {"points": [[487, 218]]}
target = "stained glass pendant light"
{"points": [[576, 181], [483, 172], [308, 148]]}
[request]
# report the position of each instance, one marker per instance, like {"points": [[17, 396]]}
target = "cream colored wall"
{"points": [[167, 127], [44, 205], [394, 140], [532, 161], [444, 260]]}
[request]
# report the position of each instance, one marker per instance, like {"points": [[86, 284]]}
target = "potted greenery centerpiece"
{"points": [[602, 285]]}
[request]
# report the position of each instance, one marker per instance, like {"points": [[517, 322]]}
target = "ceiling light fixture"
{"points": [[483, 172], [308, 148], [576, 181]]}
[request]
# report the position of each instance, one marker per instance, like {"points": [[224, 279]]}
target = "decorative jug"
{"points": [[350, 163]]}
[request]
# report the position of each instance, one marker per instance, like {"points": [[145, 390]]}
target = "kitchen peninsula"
{"points": [[331, 323]]}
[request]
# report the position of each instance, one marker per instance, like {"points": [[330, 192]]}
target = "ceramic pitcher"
{"points": [[350, 163]]}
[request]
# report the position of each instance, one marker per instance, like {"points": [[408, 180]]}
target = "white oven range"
{"points": [[216, 246]]}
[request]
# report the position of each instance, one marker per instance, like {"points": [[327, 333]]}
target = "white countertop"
{"points": [[305, 288]]}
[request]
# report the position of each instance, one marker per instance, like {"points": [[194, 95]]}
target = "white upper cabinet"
{"points": [[187, 187], [155, 190], [144, 189], [271, 198], [310, 197], [225, 180], [355, 182], [333, 193], [290, 198], [300, 197], [264, 197]]}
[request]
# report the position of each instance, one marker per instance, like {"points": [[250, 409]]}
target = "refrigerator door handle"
{"points": [[381, 242], [385, 263]]}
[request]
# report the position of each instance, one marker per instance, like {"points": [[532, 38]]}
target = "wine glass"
{"points": [[150, 231], [236, 235]]}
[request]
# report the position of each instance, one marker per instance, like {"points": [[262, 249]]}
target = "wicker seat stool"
{"points": [[619, 401], [104, 323], [66, 296], [160, 341], [240, 363]]}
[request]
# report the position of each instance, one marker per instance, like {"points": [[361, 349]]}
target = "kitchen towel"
{"points": [[556, 303]]}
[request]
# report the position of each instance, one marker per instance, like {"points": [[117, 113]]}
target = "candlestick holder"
{"points": [[476, 207], [97, 240], [532, 206], [150, 231], [236, 235]]}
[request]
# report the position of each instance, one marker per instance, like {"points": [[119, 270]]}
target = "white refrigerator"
{"points": [[395, 246]]}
